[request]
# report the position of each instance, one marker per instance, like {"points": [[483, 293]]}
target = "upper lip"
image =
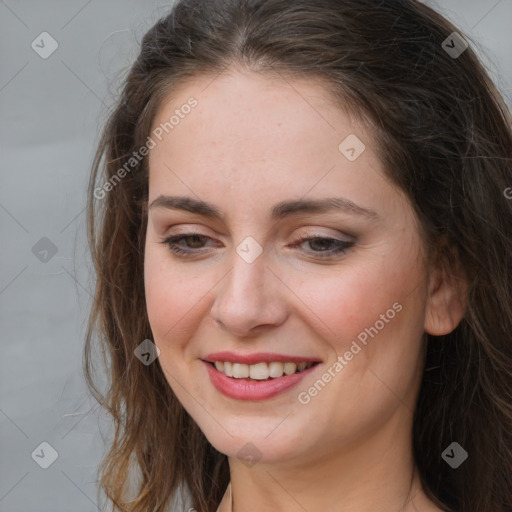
{"points": [[258, 357]]}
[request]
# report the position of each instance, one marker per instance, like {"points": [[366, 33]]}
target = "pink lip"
{"points": [[260, 357], [241, 389]]}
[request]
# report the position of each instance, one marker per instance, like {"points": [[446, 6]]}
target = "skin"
{"points": [[251, 142]]}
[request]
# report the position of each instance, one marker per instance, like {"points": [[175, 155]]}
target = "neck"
{"points": [[375, 474]]}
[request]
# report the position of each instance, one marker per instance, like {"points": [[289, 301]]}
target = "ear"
{"points": [[446, 301]]}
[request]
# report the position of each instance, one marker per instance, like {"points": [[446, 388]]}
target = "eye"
{"points": [[324, 247], [194, 241], [321, 247]]}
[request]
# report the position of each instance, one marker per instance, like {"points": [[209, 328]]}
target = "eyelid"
{"points": [[188, 229], [312, 230], [334, 233], [341, 246]]}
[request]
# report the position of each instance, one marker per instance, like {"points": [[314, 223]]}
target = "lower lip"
{"points": [[241, 389]]}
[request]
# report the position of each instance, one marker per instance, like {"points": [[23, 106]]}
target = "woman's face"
{"points": [[352, 300]]}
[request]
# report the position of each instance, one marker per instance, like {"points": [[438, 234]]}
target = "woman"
{"points": [[299, 221]]}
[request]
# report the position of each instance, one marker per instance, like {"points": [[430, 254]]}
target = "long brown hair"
{"points": [[444, 137]]}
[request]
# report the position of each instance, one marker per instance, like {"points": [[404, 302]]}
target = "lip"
{"points": [[241, 389], [260, 357]]}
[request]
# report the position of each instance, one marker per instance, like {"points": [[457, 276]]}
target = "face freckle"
{"points": [[250, 144]]}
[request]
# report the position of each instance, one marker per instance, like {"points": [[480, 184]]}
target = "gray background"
{"points": [[51, 113]]}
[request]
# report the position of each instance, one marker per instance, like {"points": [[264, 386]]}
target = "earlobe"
{"points": [[446, 302]]}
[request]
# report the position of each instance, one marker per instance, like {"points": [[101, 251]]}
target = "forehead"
{"points": [[251, 136], [277, 116]]}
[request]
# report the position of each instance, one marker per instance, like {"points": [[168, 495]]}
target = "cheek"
{"points": [[162, 285], [350, 303], [379, 354], [159, 291], [175, 300]]}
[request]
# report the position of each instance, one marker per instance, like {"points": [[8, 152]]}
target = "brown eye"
{"points": [[320, 244], [197, 241], [324, 247], [193, 242]]}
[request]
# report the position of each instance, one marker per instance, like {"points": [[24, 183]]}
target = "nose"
{"points": [[250, 298]]}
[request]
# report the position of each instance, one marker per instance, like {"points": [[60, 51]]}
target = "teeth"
{"points": [[275, 370], [240, 371], [260, 371], [289, 368], [228, 369]]}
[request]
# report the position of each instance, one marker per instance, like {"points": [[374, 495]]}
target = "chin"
{"points": [[256, 442]]}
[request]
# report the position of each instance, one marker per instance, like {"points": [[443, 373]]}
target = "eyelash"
{"points": [[172, 240]]}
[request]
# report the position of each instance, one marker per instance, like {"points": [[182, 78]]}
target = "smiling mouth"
{"points": [[260, 371]]}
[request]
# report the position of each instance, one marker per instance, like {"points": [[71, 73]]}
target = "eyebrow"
{"points": [[279, 211]]}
